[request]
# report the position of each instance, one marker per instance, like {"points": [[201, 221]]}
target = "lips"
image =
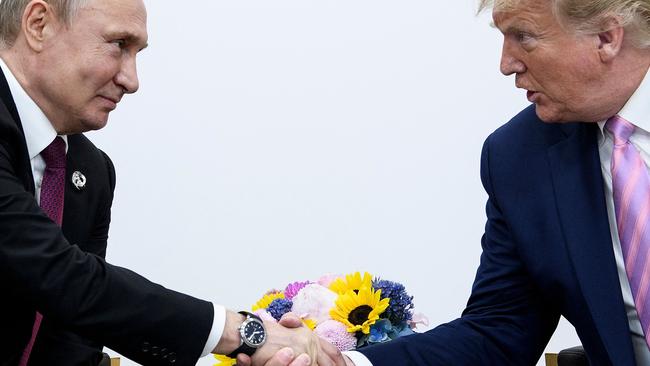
{"points": [[109, 102], [532, 95], [112, 99]]}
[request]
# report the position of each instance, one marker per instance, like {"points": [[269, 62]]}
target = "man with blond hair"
{"points": [[568, 212], [64, 66]]}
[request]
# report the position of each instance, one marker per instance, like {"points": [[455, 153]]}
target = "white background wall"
{"points": [[274, 141]]}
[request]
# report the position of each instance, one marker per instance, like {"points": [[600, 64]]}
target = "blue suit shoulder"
{"points": [[527, 131], [515, 156]]}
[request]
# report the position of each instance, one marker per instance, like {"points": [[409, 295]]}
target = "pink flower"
{"points": [[326, 280], [418, 318], [337, 334], [293, 288], [265, 316], [314, 302]]}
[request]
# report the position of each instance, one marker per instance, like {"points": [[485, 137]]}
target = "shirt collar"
{"points": [[39, 132], [637, 108]]}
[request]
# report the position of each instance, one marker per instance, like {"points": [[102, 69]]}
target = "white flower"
{"points": [[314, 302]]}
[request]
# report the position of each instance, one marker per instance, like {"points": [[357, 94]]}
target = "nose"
{"points": [[510, 64], [127, 77]]}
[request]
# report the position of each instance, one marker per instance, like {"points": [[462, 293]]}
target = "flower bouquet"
{"points": [[349, 311]]}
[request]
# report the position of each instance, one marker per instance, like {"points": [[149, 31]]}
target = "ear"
{"points": [[39, 24], [610, 39]]}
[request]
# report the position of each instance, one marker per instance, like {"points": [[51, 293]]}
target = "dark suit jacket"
{"points": [[60, 272], [547, 251], [86, 221]]}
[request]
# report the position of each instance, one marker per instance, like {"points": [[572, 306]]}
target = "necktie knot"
{"points": [[54, 154], [620, 128]]}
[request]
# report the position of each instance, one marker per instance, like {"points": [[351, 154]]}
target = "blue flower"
{"points": [[279, 307], [379, 332], [401, 303]]}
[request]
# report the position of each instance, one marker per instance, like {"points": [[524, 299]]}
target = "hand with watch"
{"points": [[252, 333], [254, 342], [288, 343]]}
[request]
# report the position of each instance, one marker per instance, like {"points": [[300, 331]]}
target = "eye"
{"points": [[524, 37], [119, 42], [526, 40]]}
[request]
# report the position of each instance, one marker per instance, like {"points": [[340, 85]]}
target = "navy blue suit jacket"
{"points": [[547, 251]]}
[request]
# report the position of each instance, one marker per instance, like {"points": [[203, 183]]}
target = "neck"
{"points": [[20, 67], [630, 77], [618, 82]]}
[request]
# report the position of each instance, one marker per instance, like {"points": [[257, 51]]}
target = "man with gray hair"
{"points": [[568, 213], [64, 66]]}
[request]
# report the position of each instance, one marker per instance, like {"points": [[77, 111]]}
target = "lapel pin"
{"points": [[79, 180]]}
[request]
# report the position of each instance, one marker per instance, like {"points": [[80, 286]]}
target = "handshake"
{"points": [[286, 343], [344, 312]]}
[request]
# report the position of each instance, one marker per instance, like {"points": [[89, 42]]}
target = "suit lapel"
{"points": [[74, 198], [580, 198], [10, 125]]}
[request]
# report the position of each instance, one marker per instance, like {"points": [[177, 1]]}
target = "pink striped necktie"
{"points": [[631, 188], [52, 195]]}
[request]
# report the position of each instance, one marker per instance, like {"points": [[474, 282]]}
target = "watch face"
{"points": [[254, 333]]}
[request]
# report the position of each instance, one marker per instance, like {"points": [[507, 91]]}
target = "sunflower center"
{"points": [[359, 315]]}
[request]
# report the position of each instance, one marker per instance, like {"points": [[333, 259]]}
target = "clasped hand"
{"points": [[290, 343]]}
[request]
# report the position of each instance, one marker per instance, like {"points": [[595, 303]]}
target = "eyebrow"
{"points": [[129, 37], [513, 28]]}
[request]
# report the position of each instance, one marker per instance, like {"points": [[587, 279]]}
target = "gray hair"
{"points": [[11, 15], [590, 16]]}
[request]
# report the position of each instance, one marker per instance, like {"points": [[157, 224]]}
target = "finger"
{"points": [[281, 358], [324, 360], [290, 320], [243, 360], [302, 360], [332, 352]]}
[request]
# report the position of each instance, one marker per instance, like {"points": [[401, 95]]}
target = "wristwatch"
{"points": [[253, 335]]}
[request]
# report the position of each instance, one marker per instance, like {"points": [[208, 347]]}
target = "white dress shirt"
{"points": [[39, 134], [636, 111]]}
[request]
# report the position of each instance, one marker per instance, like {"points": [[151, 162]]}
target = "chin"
{"points": [[93, 124], [549, 115]]}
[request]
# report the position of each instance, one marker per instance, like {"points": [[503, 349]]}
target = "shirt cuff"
{"points": [[358, 359], [216, 332]]}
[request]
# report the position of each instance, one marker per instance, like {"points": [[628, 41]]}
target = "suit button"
{"points": [[145, 347], [163, 352], [154, 351], [172, 357]]}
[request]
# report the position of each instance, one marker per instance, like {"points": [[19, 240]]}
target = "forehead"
{"points": [[535, 13], [115, 16]]}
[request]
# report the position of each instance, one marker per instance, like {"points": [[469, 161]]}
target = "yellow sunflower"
{"points": [[265, 301], [309, 323], [358, 311], [225, 361], [352, 282]]}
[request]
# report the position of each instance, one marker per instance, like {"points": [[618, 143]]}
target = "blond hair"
{"points": [[11, 16], [590, 16]]}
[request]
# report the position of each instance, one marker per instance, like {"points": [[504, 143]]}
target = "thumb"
{"points": [[243, 360], [291, 320]]}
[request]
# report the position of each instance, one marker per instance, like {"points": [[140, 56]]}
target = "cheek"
{"points": [[99, 69], [563, 81]]}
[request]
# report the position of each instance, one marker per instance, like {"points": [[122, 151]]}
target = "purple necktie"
{"points": [[631, 188], [52, 192]]}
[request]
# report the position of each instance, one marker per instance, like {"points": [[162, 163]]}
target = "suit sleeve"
{"points": [[99, 233], [505, 321], [108, 304]]}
